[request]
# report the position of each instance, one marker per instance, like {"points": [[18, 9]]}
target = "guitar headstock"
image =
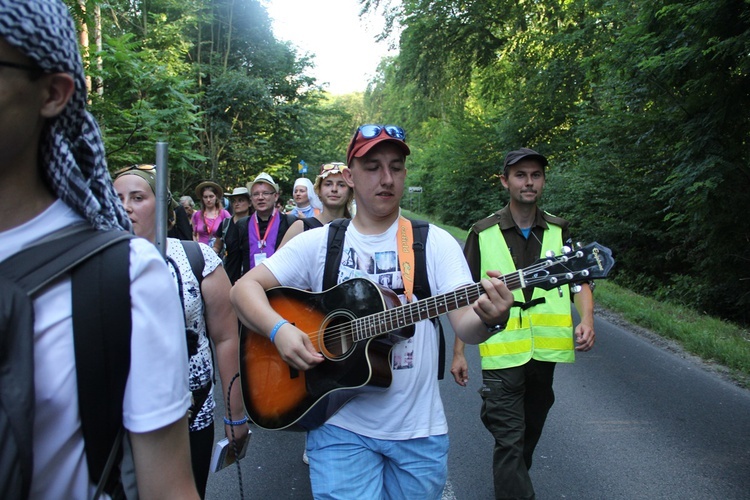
{"points": [[593, 261]]}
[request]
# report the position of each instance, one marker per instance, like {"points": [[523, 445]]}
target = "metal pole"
{"points": [[162, 197]]}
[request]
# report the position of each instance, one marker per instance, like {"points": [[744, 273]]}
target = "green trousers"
{"points": [[515, 403]]}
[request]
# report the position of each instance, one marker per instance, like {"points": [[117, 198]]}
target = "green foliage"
{"points": [[328, 127], [154, 103], [639, 106], [206, 76]]}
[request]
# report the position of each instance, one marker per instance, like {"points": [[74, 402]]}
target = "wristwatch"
{"points": [[493, 329]]}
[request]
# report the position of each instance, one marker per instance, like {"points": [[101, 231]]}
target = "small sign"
{"points": [[302, 167], [415, 189]]}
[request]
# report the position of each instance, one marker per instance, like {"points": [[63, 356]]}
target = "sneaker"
{"points": [[304, 458]]}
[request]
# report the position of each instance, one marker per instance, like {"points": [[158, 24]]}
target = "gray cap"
{"points": [[517, 155]]}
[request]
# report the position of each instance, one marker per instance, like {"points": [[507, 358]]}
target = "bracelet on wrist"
{"points": [[275, 330], [235, 422]]}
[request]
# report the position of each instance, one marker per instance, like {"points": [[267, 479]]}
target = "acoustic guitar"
{"points": [[354, 325]]}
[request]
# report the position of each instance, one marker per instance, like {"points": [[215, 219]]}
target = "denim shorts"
{"points": [[345, 465]]}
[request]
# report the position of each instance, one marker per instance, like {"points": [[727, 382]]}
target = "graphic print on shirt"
{"points": [[382, 268]]}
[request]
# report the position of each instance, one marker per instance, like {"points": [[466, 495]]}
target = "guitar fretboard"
{"points": [[429, 308], [592, 261]]}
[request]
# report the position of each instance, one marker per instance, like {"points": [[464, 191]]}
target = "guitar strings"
{"points": [[388, 320]]}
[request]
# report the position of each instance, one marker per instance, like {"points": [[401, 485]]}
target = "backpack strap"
{"points": [[422, 288], [224, 227], [420, 229], [36, 266], [310, 223], [102, 325], [336, 233], [197, 264], [195, 257]]}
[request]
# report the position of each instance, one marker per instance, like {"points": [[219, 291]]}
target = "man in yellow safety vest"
{"points": [[518, 362]]}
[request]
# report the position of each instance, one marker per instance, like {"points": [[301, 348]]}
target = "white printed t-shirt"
{"points": [[201, 363], [156, 393], [411, 407]]}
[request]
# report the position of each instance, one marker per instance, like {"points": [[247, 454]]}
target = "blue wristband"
{"points": [[275, 329], [235, 422]]}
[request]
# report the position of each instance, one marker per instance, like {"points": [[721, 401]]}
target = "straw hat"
{"points": [[199, 190]]}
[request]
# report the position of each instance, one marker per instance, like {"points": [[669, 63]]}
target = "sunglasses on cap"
{"points": [[370, 131], [144, 166], [331, 168]]}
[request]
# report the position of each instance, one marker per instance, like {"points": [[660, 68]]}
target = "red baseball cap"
{"points": [[368, 136]]}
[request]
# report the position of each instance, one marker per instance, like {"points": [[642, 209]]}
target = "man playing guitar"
{"points": [[389, 443]]}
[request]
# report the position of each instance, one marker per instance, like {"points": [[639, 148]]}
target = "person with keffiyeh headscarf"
{"points": [[53, 175]]}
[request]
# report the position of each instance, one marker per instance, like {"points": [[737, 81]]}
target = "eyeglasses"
{"points": [[25, 67], [144, 166], [262, 195]]}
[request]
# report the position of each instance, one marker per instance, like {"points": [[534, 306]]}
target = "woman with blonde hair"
{"points": [[335, 196]]}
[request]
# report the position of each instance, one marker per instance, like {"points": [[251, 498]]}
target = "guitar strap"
{"points": [[406, 255], [420, 228]]}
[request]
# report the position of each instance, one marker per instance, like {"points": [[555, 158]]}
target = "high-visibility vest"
{"points": [[543, 331]]}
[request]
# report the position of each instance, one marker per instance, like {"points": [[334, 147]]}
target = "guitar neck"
{"points": [[581, 265], [429, 308]]}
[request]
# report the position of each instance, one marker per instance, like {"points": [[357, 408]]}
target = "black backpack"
{"points": [[99, 265], [420, 228], [195, 257]]}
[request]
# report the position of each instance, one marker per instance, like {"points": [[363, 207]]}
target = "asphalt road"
{"points": [[633, 420]]}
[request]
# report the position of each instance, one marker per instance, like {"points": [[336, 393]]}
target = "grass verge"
{"points": [[456, 232], [711, 339]]}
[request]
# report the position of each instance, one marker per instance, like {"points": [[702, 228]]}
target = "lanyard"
{"points": [[209, 228], [262, 242], [406, 255]]}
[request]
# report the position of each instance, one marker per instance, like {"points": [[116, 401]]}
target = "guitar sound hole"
{"points": [[338, 339]]}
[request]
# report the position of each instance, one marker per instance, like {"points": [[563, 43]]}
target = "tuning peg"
{"points": [[549, 254], [579, 244], [566, 250], [576, 288]]}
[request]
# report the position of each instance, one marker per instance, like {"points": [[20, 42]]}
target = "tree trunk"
{"points": [[99, 46], [229, 35], [84, 41]]}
